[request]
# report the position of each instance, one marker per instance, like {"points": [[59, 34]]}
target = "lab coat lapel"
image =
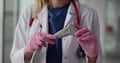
{"points": [[70, 15], [43, 17]]}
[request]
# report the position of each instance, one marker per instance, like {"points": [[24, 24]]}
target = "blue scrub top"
{"points": [[56, 19]]}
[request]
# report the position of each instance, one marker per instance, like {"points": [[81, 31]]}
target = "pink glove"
{"points": [[87, 40], [38, 40]]}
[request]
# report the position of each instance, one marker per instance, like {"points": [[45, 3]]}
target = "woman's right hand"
{"points": [[37, 41]]}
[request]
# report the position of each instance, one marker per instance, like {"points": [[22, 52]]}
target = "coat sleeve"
{"points": [[96, 30], [19, 41]]}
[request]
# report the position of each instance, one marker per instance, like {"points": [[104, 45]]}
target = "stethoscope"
{"points": [[79, 53], [69, 30], [75, 9]]}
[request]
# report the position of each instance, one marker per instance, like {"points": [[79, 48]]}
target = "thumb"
{"points": [[50, 36], [76, 25]]}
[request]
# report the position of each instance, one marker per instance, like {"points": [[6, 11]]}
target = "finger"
{"points": [[50, 36], [42, 43], [88, 38], [80, 40], [76, 25], [86, 34], [35, 47], [81, 32], [50, 41], [39, 47]]}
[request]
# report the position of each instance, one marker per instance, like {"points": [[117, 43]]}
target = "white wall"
{"points": [[1, 27]]}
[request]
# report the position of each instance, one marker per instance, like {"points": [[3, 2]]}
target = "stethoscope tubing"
{"points": [[78, 22], [75, 9]]}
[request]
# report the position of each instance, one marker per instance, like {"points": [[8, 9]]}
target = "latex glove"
{"points": [[38, 40], [87, 40]]}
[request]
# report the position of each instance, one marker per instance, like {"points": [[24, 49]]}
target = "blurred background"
{"points": [[109, 18]]}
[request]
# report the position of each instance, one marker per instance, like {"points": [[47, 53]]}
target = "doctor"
{"points": [[35, 41]]}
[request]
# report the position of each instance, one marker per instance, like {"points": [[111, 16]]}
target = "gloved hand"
{"points": [[38, 40], [87, 40]]}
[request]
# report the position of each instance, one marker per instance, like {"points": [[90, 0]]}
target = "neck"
{"points": [[58, 3]]}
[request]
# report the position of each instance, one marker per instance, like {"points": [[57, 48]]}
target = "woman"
{"points": [[36, 42]]}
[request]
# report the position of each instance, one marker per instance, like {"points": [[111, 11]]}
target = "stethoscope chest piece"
{"points": [[80, 53]]}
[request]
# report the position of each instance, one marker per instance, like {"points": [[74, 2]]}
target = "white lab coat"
{"points": [[23, 32]]}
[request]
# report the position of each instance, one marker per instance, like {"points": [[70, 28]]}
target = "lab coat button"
{"points": [[65, 57]]}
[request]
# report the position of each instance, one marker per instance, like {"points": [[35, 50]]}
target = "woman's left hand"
{"points": [[87, 40]]}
